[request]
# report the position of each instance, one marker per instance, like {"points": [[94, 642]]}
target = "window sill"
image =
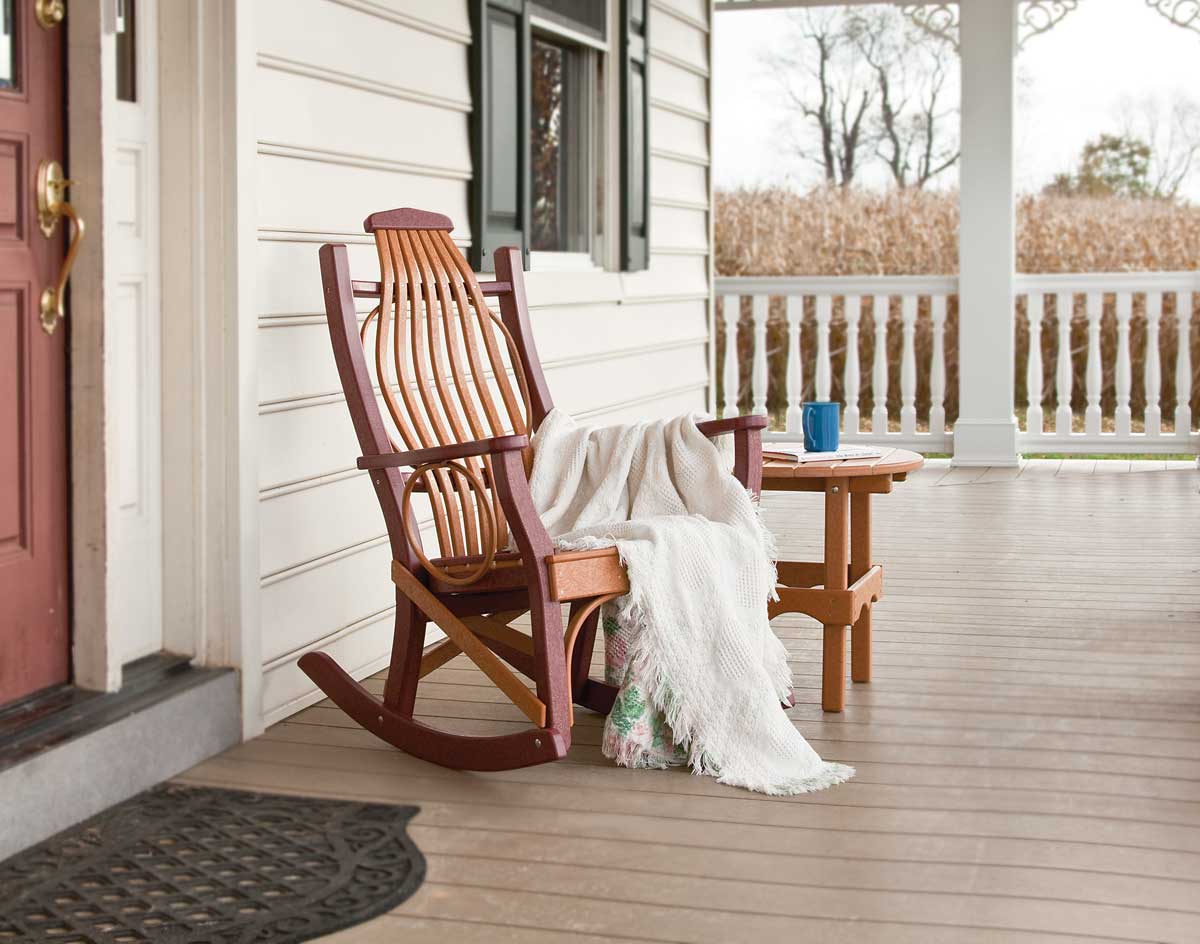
{"points": [[562, 262]]}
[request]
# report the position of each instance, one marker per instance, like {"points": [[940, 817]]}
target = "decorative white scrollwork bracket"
{"points": [[1034, 17], [1038, 16], [939, 20], [1183, 13]]}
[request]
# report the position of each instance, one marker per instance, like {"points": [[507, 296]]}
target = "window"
{"points": [[127, 59], [562, 173], [8, 46], [540, 126]]}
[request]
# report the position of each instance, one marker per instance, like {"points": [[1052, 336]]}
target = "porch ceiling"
{"points": [[784, 4], [1026, 752], [1182, 13]]}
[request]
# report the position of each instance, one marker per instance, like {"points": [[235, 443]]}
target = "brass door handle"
{"points": [[52, 206]]}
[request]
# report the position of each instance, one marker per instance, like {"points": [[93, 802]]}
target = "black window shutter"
{"points": [[499, 129], [635, 138]]}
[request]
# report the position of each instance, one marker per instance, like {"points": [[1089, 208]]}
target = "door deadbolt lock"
{"points": [[49, 13]]}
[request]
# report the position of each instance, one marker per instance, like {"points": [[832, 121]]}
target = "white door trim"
{"points": [[133, 351], [114, 423], [210, 402]]}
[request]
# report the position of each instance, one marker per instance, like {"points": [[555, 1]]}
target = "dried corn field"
{"points": [[831, 233]]}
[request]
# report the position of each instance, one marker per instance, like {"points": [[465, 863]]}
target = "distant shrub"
{"points": [[915, 232]]}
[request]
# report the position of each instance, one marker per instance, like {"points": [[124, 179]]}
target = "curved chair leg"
{"points": [[461, 752], [598, 696], [408, 641], [585, 645], [580, 643]]}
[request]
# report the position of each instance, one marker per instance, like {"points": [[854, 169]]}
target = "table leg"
{"points": [[837, 552], [860, 563]]}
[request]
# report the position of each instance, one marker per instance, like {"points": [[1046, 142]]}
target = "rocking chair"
{"points": [[464, 389]]}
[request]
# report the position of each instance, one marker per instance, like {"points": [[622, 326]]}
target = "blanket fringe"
{"points": [[829, 775]]}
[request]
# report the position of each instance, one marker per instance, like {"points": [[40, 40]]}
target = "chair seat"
{"points": [[573, 574], [506, 573]]}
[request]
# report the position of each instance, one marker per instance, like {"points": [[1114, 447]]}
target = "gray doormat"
{"points": [[192, 865]]}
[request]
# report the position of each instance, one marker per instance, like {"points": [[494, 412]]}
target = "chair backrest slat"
{"points": [[448, 369], [452, 303], [407, 419], [487, 320]]}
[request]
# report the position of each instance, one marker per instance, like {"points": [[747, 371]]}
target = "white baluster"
{"points": [[1183, 365], [824, 365], [1124, 378], [1153, 375], [908, 366], [879, 377], [851, 382], [730, 309], [1091, 418], [1033, 368], [758, 374], [937, 369], [1064, 382], [795, 363]]}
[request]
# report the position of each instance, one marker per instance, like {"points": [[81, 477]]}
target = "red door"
{"points": [[34, 567]]}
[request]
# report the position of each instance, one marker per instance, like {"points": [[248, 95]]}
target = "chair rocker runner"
{"points": [[463, 389]]}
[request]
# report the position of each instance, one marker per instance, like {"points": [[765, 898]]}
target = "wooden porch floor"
{"points": [[1028, 754]]}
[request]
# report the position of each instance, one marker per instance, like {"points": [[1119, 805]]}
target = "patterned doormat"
{"points": [[192, 865]]}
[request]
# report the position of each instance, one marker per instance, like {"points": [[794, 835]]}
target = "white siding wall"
{"points": [[363, 105]]}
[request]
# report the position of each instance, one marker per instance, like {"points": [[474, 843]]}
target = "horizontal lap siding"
{"points": [[679, 135], [364, 104]]}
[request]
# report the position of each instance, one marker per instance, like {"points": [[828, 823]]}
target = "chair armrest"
{"points": [[477, 447], [711, 428], [528, 532], [747, 445]]}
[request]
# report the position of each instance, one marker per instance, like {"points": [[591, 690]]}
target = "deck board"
{"points": [[1028, 752]]}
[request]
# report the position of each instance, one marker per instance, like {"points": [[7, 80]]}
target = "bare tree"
{"points": [[1171, 128], [914, 131], [869, 85], [822, 78]]}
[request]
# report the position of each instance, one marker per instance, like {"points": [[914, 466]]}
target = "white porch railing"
{"points": [[1080, 389]]}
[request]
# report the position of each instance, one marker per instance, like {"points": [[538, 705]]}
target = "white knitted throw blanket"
{"points": [[701, 675]]}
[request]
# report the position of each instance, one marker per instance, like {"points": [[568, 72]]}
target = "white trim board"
{"points": [[210, 502]]}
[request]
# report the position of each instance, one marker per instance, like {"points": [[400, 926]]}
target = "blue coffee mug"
{"points": [[821, 422]]}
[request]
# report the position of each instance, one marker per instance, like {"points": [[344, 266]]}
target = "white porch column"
{"points": [[986, 430]]}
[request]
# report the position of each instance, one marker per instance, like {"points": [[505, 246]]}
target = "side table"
{"points": [[838, 592]]}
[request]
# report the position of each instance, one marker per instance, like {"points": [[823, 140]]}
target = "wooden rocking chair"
{"points": [[464, 389]]}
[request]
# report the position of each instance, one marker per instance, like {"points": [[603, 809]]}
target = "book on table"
{"points": [[795, 452]]}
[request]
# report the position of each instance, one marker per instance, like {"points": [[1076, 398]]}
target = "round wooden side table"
{"points": [[838, 592]]}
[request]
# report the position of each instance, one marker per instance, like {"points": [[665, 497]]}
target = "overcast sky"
{"points": [[1073, 82]]}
